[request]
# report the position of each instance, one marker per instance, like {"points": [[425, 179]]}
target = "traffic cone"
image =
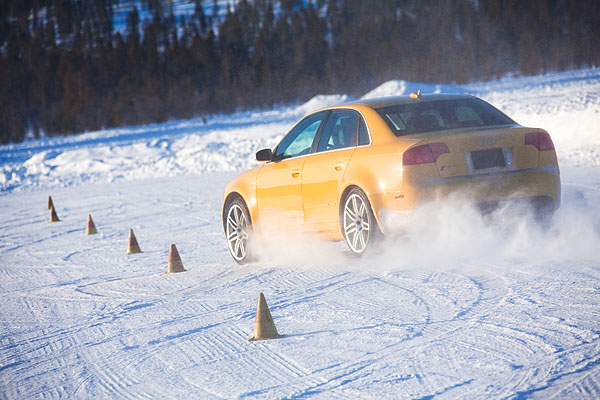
{"points": [[264, 327], [175, 264], [91, 228], [53, 215], [133, 246], [50, 203]]}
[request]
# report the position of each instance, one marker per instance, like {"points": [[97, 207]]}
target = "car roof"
{"points": [[380, 102]]}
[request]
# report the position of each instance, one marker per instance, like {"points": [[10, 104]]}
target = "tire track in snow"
{"points": [[323, 376], [333, 379], [575, 365], [47, 340], [166, 342]]}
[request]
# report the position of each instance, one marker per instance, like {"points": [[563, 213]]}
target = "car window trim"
{"points": [[317, 139], [320, 132], [360, 115], [326, 112], [366, 124]]}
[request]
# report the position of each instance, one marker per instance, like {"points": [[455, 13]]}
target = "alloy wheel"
{"points": [[237, 232], [357, 223]]}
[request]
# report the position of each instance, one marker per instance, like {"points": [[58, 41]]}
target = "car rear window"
{"points": [[439, 115]]}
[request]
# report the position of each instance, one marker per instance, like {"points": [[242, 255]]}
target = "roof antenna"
{"points": [[416, 95]]}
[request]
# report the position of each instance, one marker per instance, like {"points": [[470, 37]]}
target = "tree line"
{"points": [[64, 69]]}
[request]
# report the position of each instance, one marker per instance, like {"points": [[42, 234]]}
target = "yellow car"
{"points": [[341, 168]]}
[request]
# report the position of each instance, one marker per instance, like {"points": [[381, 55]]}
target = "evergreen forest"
{"points": [[64, 69]]}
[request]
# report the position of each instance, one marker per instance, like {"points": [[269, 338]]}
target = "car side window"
{"points": [[340, 131], [300, 139], [363, 135]]}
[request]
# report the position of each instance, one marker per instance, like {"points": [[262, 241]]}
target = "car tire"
{"points": [[238, 230], [358, 222], [543, 211]]}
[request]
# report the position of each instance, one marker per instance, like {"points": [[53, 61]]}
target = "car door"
{"points": [[278, 183], [323, 171]]}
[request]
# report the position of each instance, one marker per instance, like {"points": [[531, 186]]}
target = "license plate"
{"points": [[486, 159]]}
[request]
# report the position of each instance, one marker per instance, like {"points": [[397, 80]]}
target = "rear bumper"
{"points": [[483, 188]]}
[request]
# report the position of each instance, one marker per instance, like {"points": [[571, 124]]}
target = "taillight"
{"points": [[540, 140], [438, 149], [426, 153]]}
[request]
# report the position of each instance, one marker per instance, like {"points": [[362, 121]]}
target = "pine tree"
{"points": [[64, 70]]}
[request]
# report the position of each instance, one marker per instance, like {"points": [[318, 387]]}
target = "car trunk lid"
{"points": [[484, 151]]}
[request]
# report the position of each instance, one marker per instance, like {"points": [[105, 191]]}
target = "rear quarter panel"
{"points": [[377, 168]]}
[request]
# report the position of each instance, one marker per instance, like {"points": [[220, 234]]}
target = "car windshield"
{"points": [[427, 116]]}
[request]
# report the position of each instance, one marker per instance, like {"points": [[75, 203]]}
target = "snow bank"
{"points": [[399, 88], [321, 101], [566, 104]]}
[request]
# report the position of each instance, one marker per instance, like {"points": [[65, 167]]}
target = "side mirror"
{"points": [[264, 155]]}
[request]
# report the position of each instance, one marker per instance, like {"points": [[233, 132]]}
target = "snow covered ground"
{"points": [[457, 308]]}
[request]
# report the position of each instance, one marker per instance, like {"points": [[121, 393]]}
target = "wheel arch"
{"points": [[244, 187], [343, 197], [228, 200]]}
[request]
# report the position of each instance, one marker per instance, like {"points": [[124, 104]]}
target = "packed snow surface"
{"points": [[458, 306]]}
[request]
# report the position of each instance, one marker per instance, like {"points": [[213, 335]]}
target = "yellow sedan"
{"points": [[342, 167]]}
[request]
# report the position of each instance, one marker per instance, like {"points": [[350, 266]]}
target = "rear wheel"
{"points": [[238, 230], [358, 223], [544, 210]]}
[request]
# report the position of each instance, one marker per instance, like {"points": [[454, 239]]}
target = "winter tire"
{"points": [[358, 223], [238, 230]]}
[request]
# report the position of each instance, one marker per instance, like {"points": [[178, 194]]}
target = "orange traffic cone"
{"points": [[133, 246], [50, 203], [91, 228], [175, 264], [264, 327], [53, 215]]}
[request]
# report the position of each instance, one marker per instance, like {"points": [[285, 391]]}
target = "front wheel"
{"points": [[358, 223], [238, 230]]}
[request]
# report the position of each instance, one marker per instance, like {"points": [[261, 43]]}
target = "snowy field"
{"points": [[456, 308]]}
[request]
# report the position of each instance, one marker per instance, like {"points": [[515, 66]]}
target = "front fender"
{"points": [[244, 186]]}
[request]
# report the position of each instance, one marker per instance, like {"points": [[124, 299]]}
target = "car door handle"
{"points": [[295, 173], [338, 166]]}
